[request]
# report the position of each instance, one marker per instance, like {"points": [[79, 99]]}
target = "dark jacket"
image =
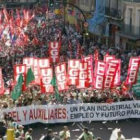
{"points": [[47, 137], [3, 131]]}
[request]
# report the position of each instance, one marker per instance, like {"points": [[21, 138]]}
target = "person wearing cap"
{"points": [[65, 134], [28, 135], [19, 132], [86, 135], [49, 135]]}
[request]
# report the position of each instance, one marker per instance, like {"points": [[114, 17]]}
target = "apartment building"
{"points": [[130, 30]]}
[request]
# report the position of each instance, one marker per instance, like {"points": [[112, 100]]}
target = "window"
{"points": [[82, 2], [130, 20], [87, 2]]}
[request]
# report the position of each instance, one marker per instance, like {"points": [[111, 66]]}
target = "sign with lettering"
{"points": [[132, 70], [99, 74], [72, 75], [46, 75], [60, 71], [54, 48], [74, 112]]}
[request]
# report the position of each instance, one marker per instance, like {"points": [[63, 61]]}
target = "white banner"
{"points": [[74, 113]]}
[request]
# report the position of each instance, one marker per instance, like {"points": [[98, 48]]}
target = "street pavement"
{"points": [[130, 129]]}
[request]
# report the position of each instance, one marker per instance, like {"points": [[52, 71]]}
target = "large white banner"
{"points": [[74, 113]]}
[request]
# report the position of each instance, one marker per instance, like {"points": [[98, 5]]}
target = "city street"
{"points": [[129, 128]]}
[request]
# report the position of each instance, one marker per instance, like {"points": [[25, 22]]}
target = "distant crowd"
{"points": [[37, 46]]}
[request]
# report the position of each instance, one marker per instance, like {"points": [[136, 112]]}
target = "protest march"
{"points": [[51, 74]]}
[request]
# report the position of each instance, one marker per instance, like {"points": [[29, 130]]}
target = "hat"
{"points": [[20, 126]]}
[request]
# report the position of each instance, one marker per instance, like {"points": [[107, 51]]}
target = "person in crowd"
{"points": [[19, 132], [3, 129], [64, 134], [86, 135], [28, 134], [49, 135], [12, 123]]}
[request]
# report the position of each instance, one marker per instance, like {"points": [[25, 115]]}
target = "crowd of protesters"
{"points": [[21, 134], [39, 33]]}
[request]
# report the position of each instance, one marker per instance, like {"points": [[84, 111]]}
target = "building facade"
{"points": [[75, 16], [114, 14], [130, 30]]}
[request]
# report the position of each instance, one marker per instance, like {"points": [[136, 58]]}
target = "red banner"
{"points": [[89, 61], [110, 73], [72, 75], [99, 73], [54, 48], [46, 75], [29, 62], [83, 75], [19, 69], [132, 70], [118, 72], [36, 64], [60, 71], [1, 83], [36, 71], [44, 62], [107, 57]]}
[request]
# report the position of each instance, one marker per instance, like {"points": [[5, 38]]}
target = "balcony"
{"points": [[115, 13], [131, 32]]}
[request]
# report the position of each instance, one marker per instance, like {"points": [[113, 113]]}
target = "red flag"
{"points": [[46, 75], [6, 15], [99, 75], [124, 87], [108, 57], [118, 72], [1, 83], [60, 71], [72, 75], [110, 73], [89, 61], [96, 55], [19, 69], [32, 62], [83, 75], [132, 71], [54, 49]]}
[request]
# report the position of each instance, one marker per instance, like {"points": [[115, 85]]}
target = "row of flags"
{"points": [[82, 72]]}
